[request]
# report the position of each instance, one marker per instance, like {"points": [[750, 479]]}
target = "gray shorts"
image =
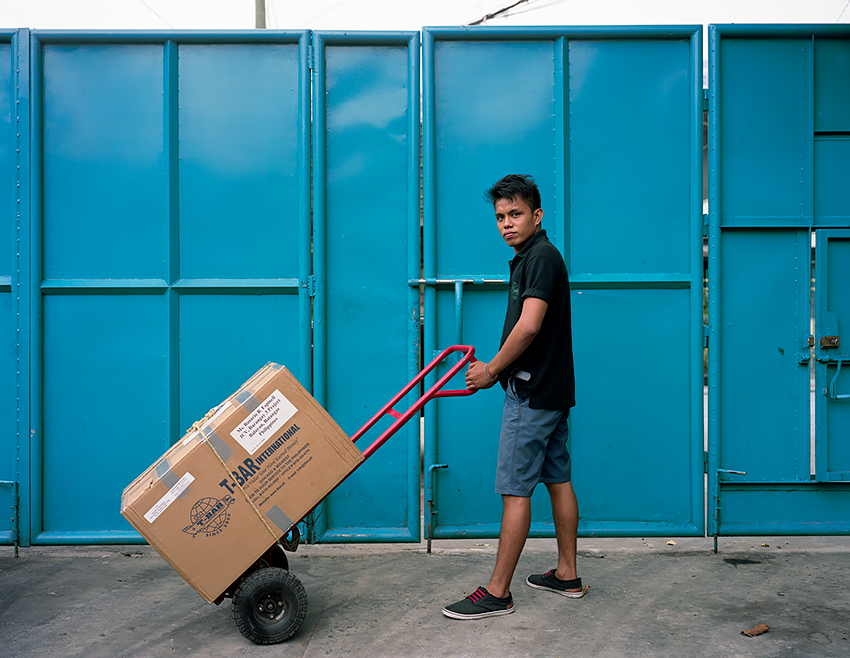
{"points": [[532, 447]]}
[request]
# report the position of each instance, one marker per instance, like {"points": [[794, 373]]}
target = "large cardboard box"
{"points": [[239, 480]]}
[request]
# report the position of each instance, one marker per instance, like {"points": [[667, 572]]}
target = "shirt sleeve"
{"points": [[541, 278]]}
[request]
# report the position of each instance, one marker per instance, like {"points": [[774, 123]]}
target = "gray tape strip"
{"points": [[165, 474], [247, 400], [280, 519], [168, 477], [217, 443]]}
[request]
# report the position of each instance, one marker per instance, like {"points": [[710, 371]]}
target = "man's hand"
{"points": [[475, 377]]}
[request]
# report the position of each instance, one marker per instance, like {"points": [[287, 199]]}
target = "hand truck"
{"points": [[269, 603]]}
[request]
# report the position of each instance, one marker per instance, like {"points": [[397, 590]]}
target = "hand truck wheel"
{"points": [[269, 606]]}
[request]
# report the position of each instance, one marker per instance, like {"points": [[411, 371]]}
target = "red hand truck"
{"points": [[268, 602]]}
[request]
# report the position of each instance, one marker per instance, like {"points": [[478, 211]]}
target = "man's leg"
{"points": [[516, 521], [565, 515]]}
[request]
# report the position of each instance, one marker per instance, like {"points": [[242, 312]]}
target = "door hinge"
{"points": [[705, 100], [705, 225], [310, 285]]}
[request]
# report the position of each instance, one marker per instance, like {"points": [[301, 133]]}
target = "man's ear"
{"points": [[538, 216]]}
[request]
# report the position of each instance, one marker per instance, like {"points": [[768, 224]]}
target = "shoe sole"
{"points": [[480, 615], [569, 595]]}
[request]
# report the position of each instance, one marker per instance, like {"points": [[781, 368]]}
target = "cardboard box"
{"points": [[239, 479]]}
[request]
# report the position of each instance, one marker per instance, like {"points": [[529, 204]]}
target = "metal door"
{"points": [[170, 250], [366, 250], [778, 141], [10, 228], [832, 359], [609, 121]]}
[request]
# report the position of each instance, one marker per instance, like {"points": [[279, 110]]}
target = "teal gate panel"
{"points": [[779, 210], [10, 456], [366, 248], [621, 184], [832, 359], [164, 272]]}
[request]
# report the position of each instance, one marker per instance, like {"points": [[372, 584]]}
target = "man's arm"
{"points": [[524, 331]]}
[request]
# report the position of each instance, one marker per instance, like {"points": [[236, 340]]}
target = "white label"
{"points": [[170, 496], [264, 422]]}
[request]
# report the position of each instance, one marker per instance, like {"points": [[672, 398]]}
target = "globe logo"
{"points": [[209, 515]]}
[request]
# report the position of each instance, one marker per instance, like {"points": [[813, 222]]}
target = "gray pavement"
{"points": [[647, 598]]}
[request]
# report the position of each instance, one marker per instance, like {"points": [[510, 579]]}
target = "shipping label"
{"points": [[264, 422], [170, 496]]}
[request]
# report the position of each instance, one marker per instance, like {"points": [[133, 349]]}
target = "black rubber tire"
{"points": [[269, 606]]}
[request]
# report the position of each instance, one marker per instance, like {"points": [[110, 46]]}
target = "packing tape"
{"points": [[247, 400], [280, 519], [217, 444], [168, 477], [165, 474]]}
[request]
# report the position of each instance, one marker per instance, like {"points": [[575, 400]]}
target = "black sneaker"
{"points": [[550, 582], [478, 605]]}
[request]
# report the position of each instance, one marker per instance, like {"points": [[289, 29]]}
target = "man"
{"points": [[535, 367]]}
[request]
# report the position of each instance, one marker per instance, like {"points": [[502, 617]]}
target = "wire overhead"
{"points": [[498, 12]]}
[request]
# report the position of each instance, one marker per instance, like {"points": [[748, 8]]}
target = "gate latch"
{"points": [[827, 342]]}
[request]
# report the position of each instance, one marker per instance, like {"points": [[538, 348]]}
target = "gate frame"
{"points": [[561, 36], [317, 528], [715, 480], [31, 512]]}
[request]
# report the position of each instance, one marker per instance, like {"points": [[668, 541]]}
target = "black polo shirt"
{"points": [[538, 270]]}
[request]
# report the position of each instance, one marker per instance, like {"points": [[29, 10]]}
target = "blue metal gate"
{"points": [[180, 208], [10, 161], [779, 108], [169, 252], [366, 249], [609, 121]]}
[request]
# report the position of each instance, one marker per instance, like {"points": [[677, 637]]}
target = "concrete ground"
{"points": [[647, 597]]}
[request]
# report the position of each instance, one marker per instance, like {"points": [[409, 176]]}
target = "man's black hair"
{"points": [[513, 187]]}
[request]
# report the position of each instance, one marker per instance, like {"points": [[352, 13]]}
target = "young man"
{"points": [[535, 367]]}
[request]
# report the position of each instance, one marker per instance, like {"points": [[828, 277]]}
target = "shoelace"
{"points": [[477, 595]]}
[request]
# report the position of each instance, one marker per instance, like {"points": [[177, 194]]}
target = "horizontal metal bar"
{"points": [[159, 286], [57, 538], [626, 280], [5, 283], [255, 284], [475, 280], [782, 31], [336, 37], [82, 286], [571, 32], [367, 535], [111, 37], [597, 529], [785, 484], [798, 221]]}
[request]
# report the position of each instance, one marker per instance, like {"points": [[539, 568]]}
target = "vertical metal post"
{"points": [[459, 312], [15, 517], [260, 14]]}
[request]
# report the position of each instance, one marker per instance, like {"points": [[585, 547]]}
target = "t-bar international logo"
{"points": [[209, 516]]}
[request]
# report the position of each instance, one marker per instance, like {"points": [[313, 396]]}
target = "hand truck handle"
{"points": [[434, 392]]}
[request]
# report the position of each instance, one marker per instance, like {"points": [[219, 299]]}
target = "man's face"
{"points": [[516, 222]]}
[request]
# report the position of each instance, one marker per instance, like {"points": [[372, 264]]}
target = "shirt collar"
{"points": [[534, 239]]}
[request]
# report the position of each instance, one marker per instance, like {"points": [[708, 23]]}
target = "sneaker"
{"points": [[478, 605], [550, 582]]}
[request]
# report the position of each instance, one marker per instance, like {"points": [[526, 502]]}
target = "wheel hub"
{"points": [[270, 606]]}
